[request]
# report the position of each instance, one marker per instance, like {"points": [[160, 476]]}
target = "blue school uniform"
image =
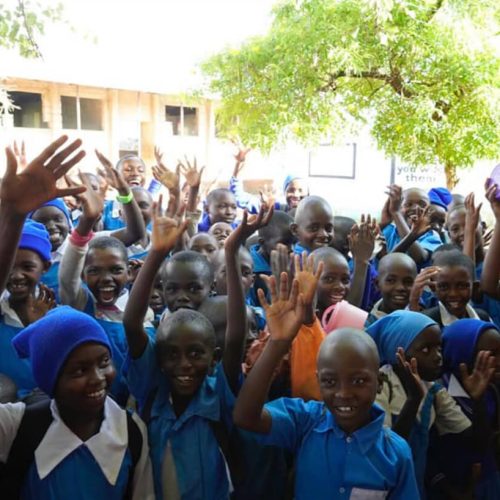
{"points": [[200, 467], [371, 293], [19, 370], [249, 201], [331, 464], [206, 223], [111, 216], [298, 249], [260, 264]]}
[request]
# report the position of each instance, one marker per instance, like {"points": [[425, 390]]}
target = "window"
{"points": [[28, 112], [90, 113], [184, 120]]}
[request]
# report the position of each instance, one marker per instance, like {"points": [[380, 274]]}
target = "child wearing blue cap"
{"points": [[25, 248], [340, 444], [409, 345], [439, 199], [85, 445], [465, 343]]}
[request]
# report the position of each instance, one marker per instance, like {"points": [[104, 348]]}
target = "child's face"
{"points": [[414, 200], [348, 382], [106, 274], [295, 191], [221, 231], [315, 229], [426, 349], [185, 285], [282, 236], [133, 172], [25, 274], [334, 283], [340, 241], [204, 243], [222, 208], [56, 224], [156, 301], [395, 285], [85, 380], [246, 268], [490, 341], [456, 228], [437, 218], [454, 289], [186, 356], [145, 203]]}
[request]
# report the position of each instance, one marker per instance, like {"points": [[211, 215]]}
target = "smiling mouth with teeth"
{"points": [[345, 409], [97, 395]]}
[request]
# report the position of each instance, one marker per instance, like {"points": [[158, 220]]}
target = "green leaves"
{"points": [[424, 73]]}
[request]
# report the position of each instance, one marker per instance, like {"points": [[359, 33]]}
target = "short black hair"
{"points": [[129, 156], [279, 221], [180, 317], [325, 252], [142, 190], [344, 222], [446, 247], [212, 195], [190, 257], [455, 258], [103, 242], [305, 204]]}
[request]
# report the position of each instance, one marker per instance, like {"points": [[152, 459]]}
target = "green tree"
{"points": [[424, 75]]}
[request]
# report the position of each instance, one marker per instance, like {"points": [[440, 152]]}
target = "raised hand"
{"points": [[472, 213], [286, 312], [191, 172], [113, 176], [240, 158], [166, 230], [410, 378], [91, 201], [267, 196], [39, 306], [20, 155], [281, 262], [476, 383], [170, 179], [424, 279], [36, 184], [134, 266], [491, 193], [395, 194], [247, 228], [306, 276], [421, 223], [362, 238]]}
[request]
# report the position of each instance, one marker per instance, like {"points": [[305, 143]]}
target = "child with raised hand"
{"points": [[405, 207], [20, 194], [409, 345], [340, 444], [78, 444], [189, 394], [466, 343], [221, 231]]}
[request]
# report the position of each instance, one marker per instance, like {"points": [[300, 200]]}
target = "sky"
{"points": [[144, 44]]}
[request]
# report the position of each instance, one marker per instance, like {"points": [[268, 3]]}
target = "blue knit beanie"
{"points": [[58, 203], [398, 329], [36, 238], [49, 341], [441, 197]]}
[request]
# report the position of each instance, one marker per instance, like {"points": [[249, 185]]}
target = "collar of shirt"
{"points": [[448, 318], [376, 310], [365, 437], [108, 446], [260, 264], [455, 389], [298, 249], [57, 255], [205, 403]]}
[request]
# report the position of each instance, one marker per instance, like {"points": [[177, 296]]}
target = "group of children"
{"points": [[184, 350]]}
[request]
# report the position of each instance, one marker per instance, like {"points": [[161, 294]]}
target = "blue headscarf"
{"points": [[57, 203], [441, 197], [288, 179], [459, 342], [398, 329]]}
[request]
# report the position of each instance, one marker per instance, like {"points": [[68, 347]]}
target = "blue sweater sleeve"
{"points": [[244, 199]]}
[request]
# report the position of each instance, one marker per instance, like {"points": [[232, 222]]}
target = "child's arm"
{"points": [[284, 316], [237, 323], [21, 193], [193, 179], [165, 233], [408, 374], [415, 250], [71, 291], [170, 179], [418, 228], [134, 229], [424, 278], [308, 283], [491, 268], [243, 199], [472, 214], [362, 244]]}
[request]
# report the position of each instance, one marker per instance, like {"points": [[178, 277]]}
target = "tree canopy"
{"points": [[424, 75]]}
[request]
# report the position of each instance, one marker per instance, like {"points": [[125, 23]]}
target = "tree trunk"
{"points": [[451, 176]]}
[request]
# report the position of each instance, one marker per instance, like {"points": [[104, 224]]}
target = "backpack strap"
{"points": [[33, 427], [135, 447]]}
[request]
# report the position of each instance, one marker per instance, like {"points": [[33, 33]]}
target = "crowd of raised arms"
{"points": [[206, 344]]}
